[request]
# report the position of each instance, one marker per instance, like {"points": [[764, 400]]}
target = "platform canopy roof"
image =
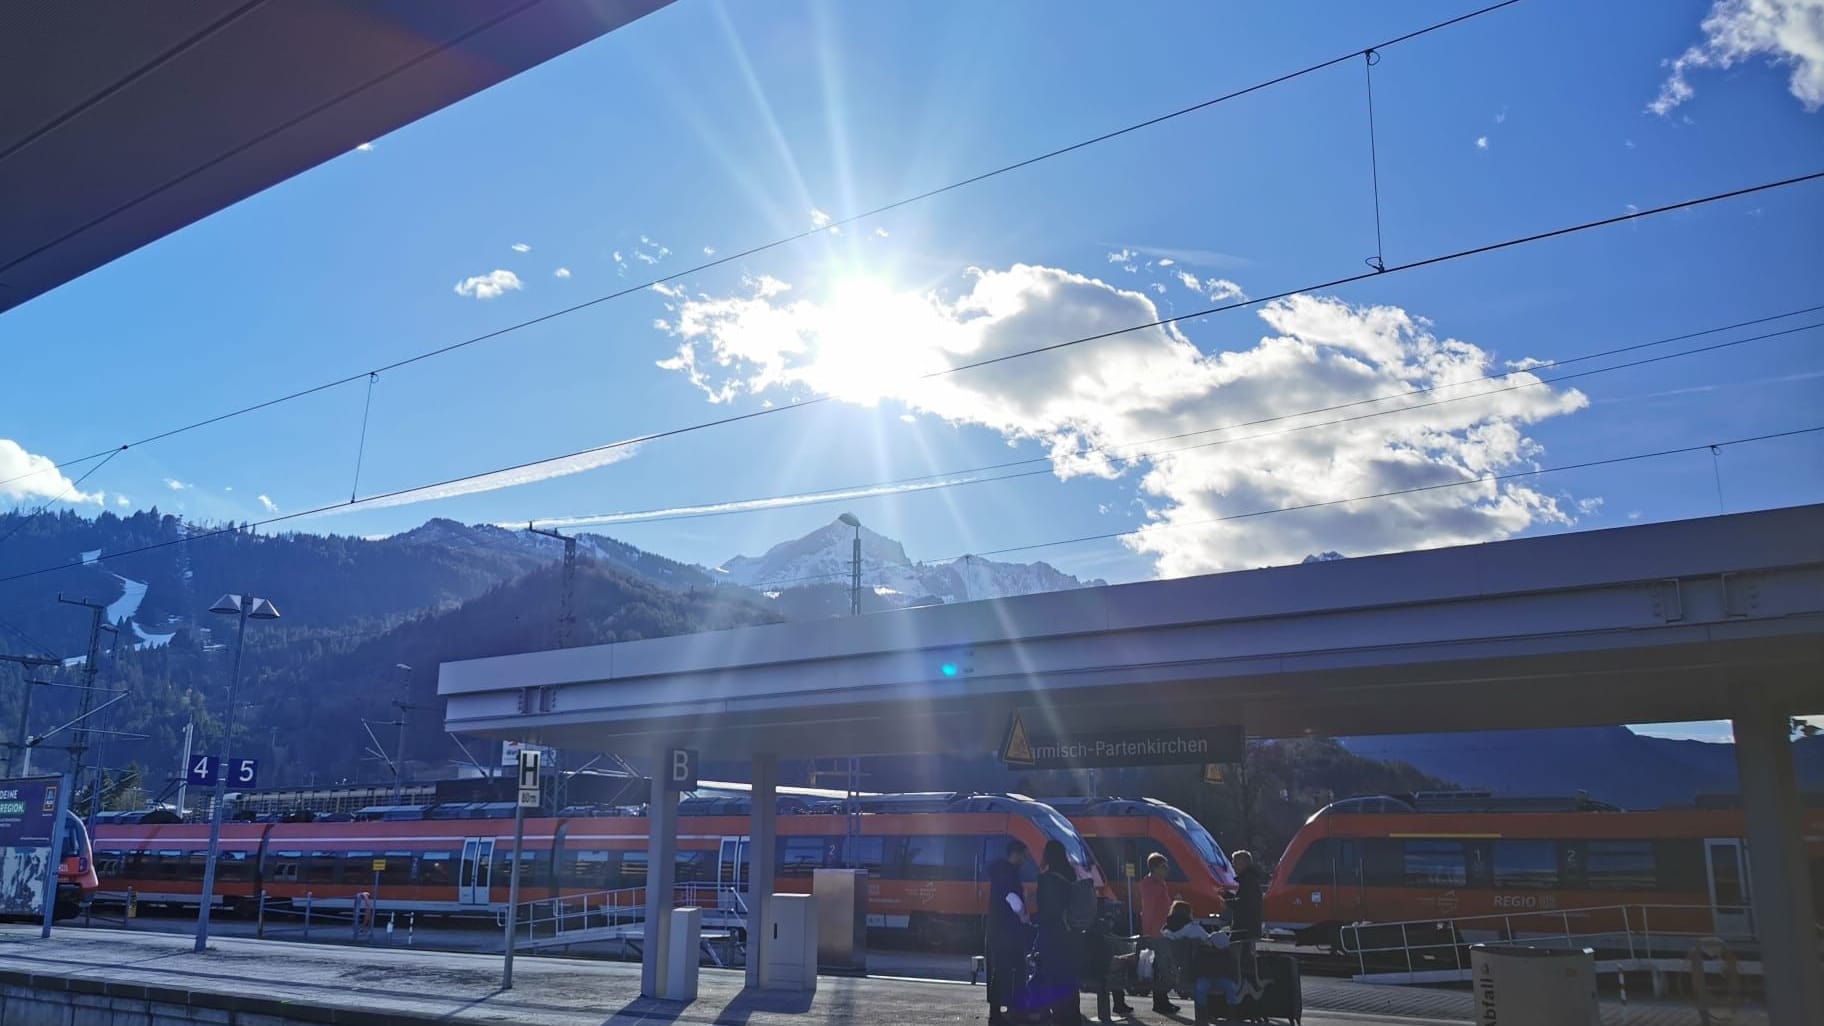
{"points": [[1648, 623], [123, 122]]}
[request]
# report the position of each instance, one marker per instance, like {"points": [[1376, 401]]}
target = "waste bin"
{"points": [[1527, 986]]}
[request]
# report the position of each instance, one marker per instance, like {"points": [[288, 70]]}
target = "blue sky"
{"points": [[712, 126]]}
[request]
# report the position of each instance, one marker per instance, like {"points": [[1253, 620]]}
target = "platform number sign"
{"points": [[681, 769], [529, 796], [205, 769]]}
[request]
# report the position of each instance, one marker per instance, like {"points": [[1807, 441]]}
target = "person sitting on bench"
{"points": [[1206, 961]]}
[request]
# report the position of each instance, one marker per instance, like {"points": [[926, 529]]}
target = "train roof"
{"points": [[1106, 805], [1462, 801]]}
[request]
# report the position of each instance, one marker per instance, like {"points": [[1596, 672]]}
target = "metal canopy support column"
{"points": [[661, 881], [761, 845], [1779, 877]]}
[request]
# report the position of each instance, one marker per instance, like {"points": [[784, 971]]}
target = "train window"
{"points": [[1680, 866], [109, 864], [398, 871], [436, 868], [1316, 866], [590, 869], [633, 869], [798, 856], [169, 864], [233, 866], [321, 867], [192, 865], [940, 858], [880, 856], [283, 866], [696, 867], [1526, 865], [1608, 865], [1110, 856], [358, 867], [1434, 864]]}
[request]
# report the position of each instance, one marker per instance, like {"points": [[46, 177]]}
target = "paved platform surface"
{"points": [[419, 986]]}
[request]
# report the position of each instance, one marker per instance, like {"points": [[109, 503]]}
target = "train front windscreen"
{"points": [[1059, 829], [1202, 842]]}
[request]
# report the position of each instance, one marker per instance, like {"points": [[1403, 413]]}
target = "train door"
{"points": [[477, 871], [1726, 865], [732, 874], [1348, 889]]}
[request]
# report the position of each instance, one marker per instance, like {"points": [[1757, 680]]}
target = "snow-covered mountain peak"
{"points": [[823, 557]]}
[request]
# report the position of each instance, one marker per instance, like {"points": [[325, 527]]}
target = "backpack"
{"points": [[1080, 914]]}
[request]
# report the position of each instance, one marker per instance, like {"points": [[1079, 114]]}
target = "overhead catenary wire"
{"points": [[674, 432], [959, 477], [815, 231]]}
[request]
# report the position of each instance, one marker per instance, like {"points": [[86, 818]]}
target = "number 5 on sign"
{"points": [[246, 772]]}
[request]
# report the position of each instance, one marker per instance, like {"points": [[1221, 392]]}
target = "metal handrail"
{"points": [[588, 910], [1555, 930]]}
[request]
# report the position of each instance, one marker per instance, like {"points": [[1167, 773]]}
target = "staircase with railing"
{"points": [[620, 915]]}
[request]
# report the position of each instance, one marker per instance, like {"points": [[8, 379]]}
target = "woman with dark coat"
{"points": [[1059, 948]]}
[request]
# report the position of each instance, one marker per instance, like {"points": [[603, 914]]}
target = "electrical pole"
{"points": [[80, 744], [566, 617], [22, 756]]}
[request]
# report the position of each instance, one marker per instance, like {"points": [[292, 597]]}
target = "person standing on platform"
{"points": [[1155, 905], [1059, 944], [1006, 932], [1246, 911]]}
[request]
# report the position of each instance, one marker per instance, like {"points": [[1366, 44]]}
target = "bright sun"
{"points": [[870, 340]]}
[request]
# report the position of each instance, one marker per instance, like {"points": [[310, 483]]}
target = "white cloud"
{"points": [[562, 272], [520, 247], [868, 344], [1629, 143], [1481, 142], [267, 504], [880, 233], [366, 147], [1789, 32], [488, 286], [27, 475], [644, 257], [1220, 290], [1501, 118], [1166, 261], [1121, 256], [709, 251], [1158, 287], [819, 219], [177, 486], [122, 501]]}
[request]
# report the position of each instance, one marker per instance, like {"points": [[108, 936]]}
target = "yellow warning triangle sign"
{"points": [[1017, 751]]}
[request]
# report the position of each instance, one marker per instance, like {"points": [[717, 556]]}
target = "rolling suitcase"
{"points": [[1281, 991]]}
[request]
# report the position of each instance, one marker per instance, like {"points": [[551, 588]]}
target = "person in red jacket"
{"points": [[1155, 906]]}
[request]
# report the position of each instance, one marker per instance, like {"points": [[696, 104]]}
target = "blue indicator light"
{"points": [[949, 669]]}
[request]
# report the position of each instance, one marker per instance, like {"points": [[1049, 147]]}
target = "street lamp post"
{"points": [[405, 706], [243, 608], [854, 565]]}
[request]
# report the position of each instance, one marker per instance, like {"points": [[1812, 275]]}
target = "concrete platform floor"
{"points": [[423, 986]]}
